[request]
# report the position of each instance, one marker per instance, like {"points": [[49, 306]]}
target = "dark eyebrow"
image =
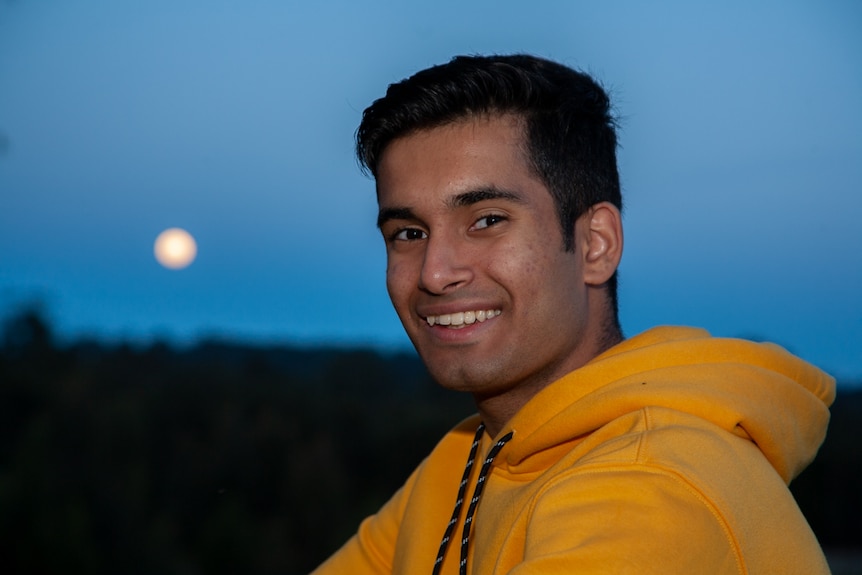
{"points": [[386, 214], [482, 194], [457, 201]]}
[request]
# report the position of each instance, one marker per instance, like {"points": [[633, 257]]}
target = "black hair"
{"points": [[570, 130]]}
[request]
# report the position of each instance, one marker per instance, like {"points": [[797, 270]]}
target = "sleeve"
{"points": [[372, 549], [626, 521]]}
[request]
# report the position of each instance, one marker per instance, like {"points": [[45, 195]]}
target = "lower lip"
{"points": [[461, 334]]}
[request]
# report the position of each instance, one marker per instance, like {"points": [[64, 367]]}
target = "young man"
{"points": [[669, 452]]}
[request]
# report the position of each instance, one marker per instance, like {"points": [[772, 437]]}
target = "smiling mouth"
{"points": [[462, 318]]}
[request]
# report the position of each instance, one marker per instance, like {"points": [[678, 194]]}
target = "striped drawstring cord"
{"points": [[474, 502]]}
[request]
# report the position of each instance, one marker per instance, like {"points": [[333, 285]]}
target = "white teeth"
{"points": [[462, 317]]}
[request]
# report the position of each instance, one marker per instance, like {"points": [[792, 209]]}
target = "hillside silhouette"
{"points": [[228, 458]]}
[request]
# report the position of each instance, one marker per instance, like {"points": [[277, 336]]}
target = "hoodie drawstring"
{"points": [[474, 502]]}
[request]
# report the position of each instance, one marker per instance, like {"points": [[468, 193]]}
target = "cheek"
{"points": [[397, 282], [532, 265], [523, 267], [539, 277]]}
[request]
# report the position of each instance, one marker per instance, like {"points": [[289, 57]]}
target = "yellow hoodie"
{"points": [[669, 453]]}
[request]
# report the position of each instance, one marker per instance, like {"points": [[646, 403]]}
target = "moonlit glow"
{"points": [[175, 248]]}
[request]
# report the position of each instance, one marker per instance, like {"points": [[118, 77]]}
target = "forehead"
{"points": [[472, 153]]}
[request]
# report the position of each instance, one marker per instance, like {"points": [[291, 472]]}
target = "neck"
{"points": [[497, 410]]}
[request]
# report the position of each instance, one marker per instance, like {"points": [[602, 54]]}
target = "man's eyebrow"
{"points": [[462, 200], [386, 214], [481, 194]]}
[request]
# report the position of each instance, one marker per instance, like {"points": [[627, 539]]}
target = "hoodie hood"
{"points": [[758, 391]]}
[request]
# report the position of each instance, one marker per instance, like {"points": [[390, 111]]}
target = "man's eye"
{"points": [[409, 234], [488, 221]]}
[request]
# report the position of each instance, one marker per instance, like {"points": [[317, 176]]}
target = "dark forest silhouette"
{"points": [[224, 458]]}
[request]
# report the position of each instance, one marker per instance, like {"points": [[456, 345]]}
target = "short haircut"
{"points": [[570, 130]]}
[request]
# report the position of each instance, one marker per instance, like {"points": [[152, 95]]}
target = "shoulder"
{"points": [[667, 481]]}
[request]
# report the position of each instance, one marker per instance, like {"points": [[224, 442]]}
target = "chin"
{"points": [[477, 378]]}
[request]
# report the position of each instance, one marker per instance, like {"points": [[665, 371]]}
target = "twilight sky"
{"points": [[741, 161]]}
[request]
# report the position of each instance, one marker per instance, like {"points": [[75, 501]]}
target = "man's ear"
{"points": [[603, 246]]}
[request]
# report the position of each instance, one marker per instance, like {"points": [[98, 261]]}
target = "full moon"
{"points": [[175, 248]]}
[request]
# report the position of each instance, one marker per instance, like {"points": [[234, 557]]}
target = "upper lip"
{"points": [[449, 309]]}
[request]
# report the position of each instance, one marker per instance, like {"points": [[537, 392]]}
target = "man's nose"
{"points": [[446, 266]]}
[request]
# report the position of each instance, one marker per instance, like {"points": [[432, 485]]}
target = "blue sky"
{"points": [[741, 160]]}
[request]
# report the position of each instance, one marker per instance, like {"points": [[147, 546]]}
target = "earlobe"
{"points": [[604, 244]]}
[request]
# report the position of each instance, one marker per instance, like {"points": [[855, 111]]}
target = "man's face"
{"points": [[475, 262]]}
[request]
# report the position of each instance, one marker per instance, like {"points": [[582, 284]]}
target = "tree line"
{"points": [[228, 458]]}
